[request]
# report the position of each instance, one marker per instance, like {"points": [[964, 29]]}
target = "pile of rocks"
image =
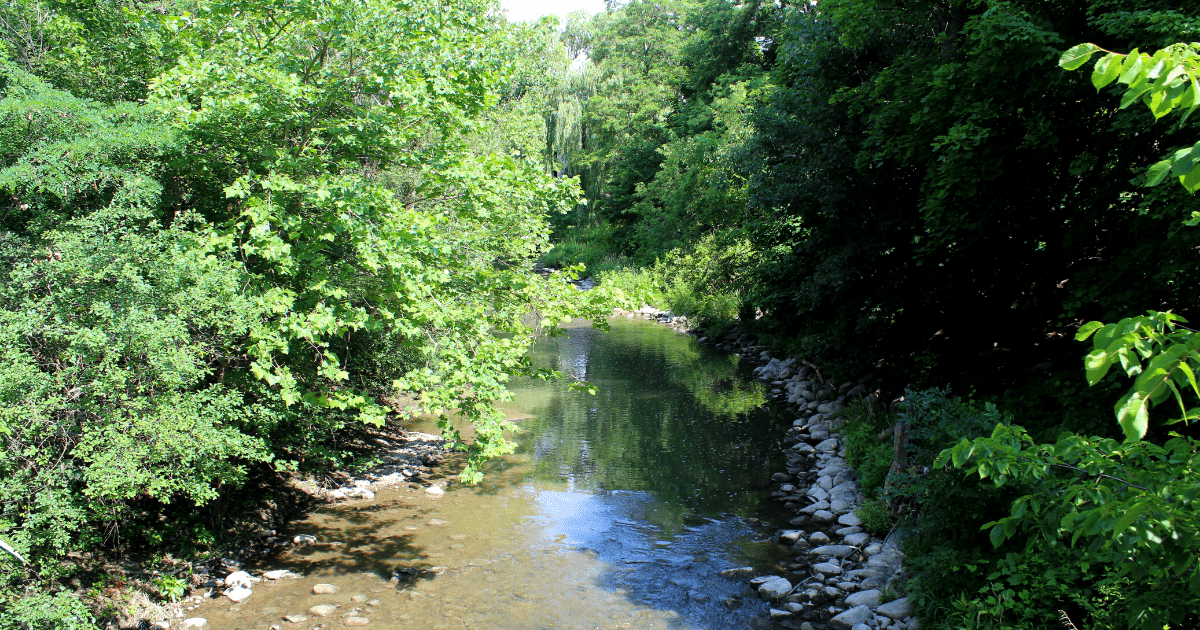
{"points": [[838, 573], [406, 458], [679, 322]]}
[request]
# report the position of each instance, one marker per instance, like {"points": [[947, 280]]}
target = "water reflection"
{"points": [[617, 511]]}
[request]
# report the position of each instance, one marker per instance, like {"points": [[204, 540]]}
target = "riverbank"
{"points": [[840, 576]]}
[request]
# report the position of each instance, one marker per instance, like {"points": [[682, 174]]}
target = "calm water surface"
{"points": [[617, 511]]}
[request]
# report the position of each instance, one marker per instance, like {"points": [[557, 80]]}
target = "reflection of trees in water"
{"points": [[669, 417]]}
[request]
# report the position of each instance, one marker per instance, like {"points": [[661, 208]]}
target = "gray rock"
{"points": [[864, 598], [896, 609], [825, 482], [790, 536], [841, 506], [861, 626], [873, 549], [850, 520], [837, 551], [738, 572], [828, 446], [356, 621], [913, 624], [322, 610], [777, 614], [304, 539], [325, 589], [846, 531], [818, 538], [822, 516], [763, 579], [850, 618], [857, 539], [818, 493], [832, 592], [775, 589], [827, 568], [295, 618], [814, 508]]}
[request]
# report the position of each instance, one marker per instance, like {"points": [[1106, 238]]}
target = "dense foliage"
{"points": [[233, 229], [919, 187]]}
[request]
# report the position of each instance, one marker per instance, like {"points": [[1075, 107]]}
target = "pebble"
{"points": [[437, 522], [325, 589], [322, 610], [238, 594], [357, 621], [304, 539], [435, 491], [295, 618], [195, 622], [278, 574]]}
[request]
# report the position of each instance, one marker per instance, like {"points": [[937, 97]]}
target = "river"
{"points": [[618, 509]]}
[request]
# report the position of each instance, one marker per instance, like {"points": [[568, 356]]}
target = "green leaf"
{"points": [[1133, 415], [1106, 70], [1157, 173], [997, 535], [1076, 56], [1086, 330], [1129, 517]]}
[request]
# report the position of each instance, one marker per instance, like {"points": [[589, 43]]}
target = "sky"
{"points": [[522, 10]]}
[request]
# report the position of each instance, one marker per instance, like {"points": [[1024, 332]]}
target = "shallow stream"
{"points": [[617, 511]]}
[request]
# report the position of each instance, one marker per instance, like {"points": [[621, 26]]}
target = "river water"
{"points": [[618, 510]]}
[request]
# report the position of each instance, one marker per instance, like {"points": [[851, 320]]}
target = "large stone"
{"points": [[737, 573], [869, 599], [837, 551], [851, 618], [325, 589], [322, 610], [195, 622], [435, 491], [827, 568], [841, 506], [240, 578], [822, 516], [777, 614], [850, 520], [858, 539], [825, 482], [775, 589], [277, 574], [763, 579], [819, 538], [816, 507], [238, 594], [357, 621], [790, 536], [896, 609], [828, 446]]}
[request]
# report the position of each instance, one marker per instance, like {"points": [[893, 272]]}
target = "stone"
{"points": [[790, 536], [819, 538], [827, 568], [304, 539], [699, 597], [238, 594], [869, 599], [847, 620], [822, 516], [787, 488], [830, 445], [837, 551], [762, 579], [896, 609], [825, 482], [161, 625], [358, 599], [846, 531], [195, 622], [437, 522], [873, 549], [278, 574], [240, 578], [777, 614], [840, 506], [775, 589], [857, 540], [322, 610], [832, 592], [816, 507], [850, 520], [295, 618], [861, 626], [356, 621], [325, 589], [435, 491], [738, 572], [913, 624]]}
